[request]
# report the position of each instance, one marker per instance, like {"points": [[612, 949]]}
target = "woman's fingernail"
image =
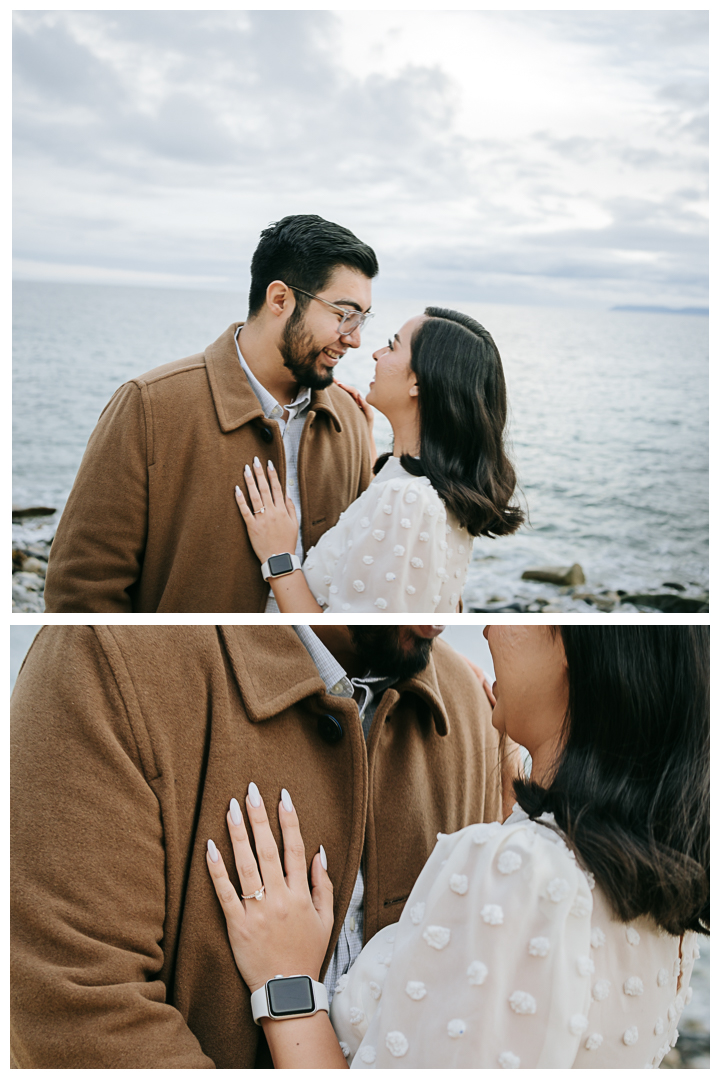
{"points": [[286, 800], [248, 470], [213, 851], [235, 812], [254, 794], [323, 857], [256, 462], [271, 467], [237, 490]]}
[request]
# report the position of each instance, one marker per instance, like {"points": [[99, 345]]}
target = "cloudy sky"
{"points": [[533, 157]]}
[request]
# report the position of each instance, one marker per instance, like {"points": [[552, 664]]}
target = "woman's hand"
{"points": [[367, 411], [483, 679], [271, 519], [288, 930]]}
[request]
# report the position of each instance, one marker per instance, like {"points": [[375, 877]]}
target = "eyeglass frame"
{"points": [[363, 316]]}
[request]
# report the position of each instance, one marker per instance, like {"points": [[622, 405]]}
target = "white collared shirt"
{"points": [[291, 433]]}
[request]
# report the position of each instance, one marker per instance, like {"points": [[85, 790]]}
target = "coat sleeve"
{"points": [[491, 964], [87, 872], [97, 553], [395, 559]]}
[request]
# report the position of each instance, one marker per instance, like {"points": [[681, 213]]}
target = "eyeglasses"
{"points": [[350, 321]]}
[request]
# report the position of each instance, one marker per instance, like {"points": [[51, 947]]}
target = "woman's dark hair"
{"points": [[463, 411], [631, 790], [303, 250]]}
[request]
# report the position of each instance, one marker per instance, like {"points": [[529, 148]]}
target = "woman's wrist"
{"points": [[307, 1042]]}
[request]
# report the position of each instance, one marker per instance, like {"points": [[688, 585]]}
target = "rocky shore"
{"points": [[542, 589], [29, 566], [564, 589]]}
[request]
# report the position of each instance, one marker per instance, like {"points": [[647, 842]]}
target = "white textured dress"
{"points": [[396, 548], [507, 956]]}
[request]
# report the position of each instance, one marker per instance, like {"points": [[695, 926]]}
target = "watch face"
{"points": [[280, 564], [286, 997]]}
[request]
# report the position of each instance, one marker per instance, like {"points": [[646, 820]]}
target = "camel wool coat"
{"points": [[151, 523], [127, 745]]}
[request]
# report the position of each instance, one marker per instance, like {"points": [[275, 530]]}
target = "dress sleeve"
{"points": [[491, 963], [395, 561]]}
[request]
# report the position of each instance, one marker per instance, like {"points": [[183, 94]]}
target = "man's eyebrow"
{"points": [[350, 303]]}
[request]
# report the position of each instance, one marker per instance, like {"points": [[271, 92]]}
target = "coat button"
{"points": [[266, 434], [330, 730]]}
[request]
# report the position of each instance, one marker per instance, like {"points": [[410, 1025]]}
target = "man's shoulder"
{"points": [[195, 365], [184, 366], [456, 679], [345, 407]]}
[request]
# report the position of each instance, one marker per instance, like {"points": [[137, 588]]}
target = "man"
{"points": [[151, 523], [128, 744]]}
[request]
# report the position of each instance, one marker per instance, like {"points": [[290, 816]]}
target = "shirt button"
{"points": [[337, 688], [352, 923], [277, 411], [291, 483]]}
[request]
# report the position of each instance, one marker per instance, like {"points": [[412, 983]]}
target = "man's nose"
{"points": [[353, 339]]}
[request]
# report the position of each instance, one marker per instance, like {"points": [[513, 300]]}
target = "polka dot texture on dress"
{"points": [[385, 553]]}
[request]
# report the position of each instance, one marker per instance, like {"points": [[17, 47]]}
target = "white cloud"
{"points": [[535, 154]]}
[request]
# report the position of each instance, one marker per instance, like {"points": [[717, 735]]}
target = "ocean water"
{"points": [[608, 427]]}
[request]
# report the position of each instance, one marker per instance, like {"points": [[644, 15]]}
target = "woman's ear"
{"points": [[414, 390]]}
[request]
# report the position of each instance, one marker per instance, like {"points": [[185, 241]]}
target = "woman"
{"points": [[406, 543], [564, 937]]}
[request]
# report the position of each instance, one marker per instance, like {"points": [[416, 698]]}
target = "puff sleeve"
{"points": [[396, 558], [491, 963]]}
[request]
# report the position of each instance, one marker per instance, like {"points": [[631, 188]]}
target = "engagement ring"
{"points": [[254, 895]]}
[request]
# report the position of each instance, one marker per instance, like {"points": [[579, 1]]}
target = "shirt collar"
{"points": [[334, 675]]}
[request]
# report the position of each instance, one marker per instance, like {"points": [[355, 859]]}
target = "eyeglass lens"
{"points": [[354, 320]]}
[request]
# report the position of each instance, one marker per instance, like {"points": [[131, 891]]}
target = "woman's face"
{"points": [[393, 389], [531, 685]]}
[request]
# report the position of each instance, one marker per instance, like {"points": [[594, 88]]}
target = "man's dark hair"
{"points": [[463, 412], [631, 789], [304, 250]]}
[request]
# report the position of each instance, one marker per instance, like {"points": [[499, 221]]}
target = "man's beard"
{"points": [[383, 651], [300, 354]]}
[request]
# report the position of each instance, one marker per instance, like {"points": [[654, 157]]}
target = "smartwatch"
{"points": [[280, 565], [284, 998]]}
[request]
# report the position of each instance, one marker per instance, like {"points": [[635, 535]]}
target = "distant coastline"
{"points": [[655, 310]]}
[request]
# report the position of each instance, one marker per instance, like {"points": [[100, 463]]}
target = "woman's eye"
{"points": [[390, 344]]}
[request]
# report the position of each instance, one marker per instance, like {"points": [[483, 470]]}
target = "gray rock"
{"points": [[667, 602], [605, 601], [30, 582], [557, 575], [34, 566], [19, 513]]}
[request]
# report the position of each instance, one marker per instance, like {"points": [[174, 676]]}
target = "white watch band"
{"points": [[260, 1003], [294, 561]]}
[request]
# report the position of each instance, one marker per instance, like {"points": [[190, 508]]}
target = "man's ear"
{"points": [[279, 299]]}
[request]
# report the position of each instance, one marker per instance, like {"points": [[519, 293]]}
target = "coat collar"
{"points": [[234, 399], [268, 686]]}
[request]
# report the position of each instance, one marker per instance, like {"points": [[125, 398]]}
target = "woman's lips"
{"points": [[429, 631]]}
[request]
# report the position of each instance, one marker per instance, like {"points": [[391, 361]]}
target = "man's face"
{"points": [[310, 345], [403, 651]]}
